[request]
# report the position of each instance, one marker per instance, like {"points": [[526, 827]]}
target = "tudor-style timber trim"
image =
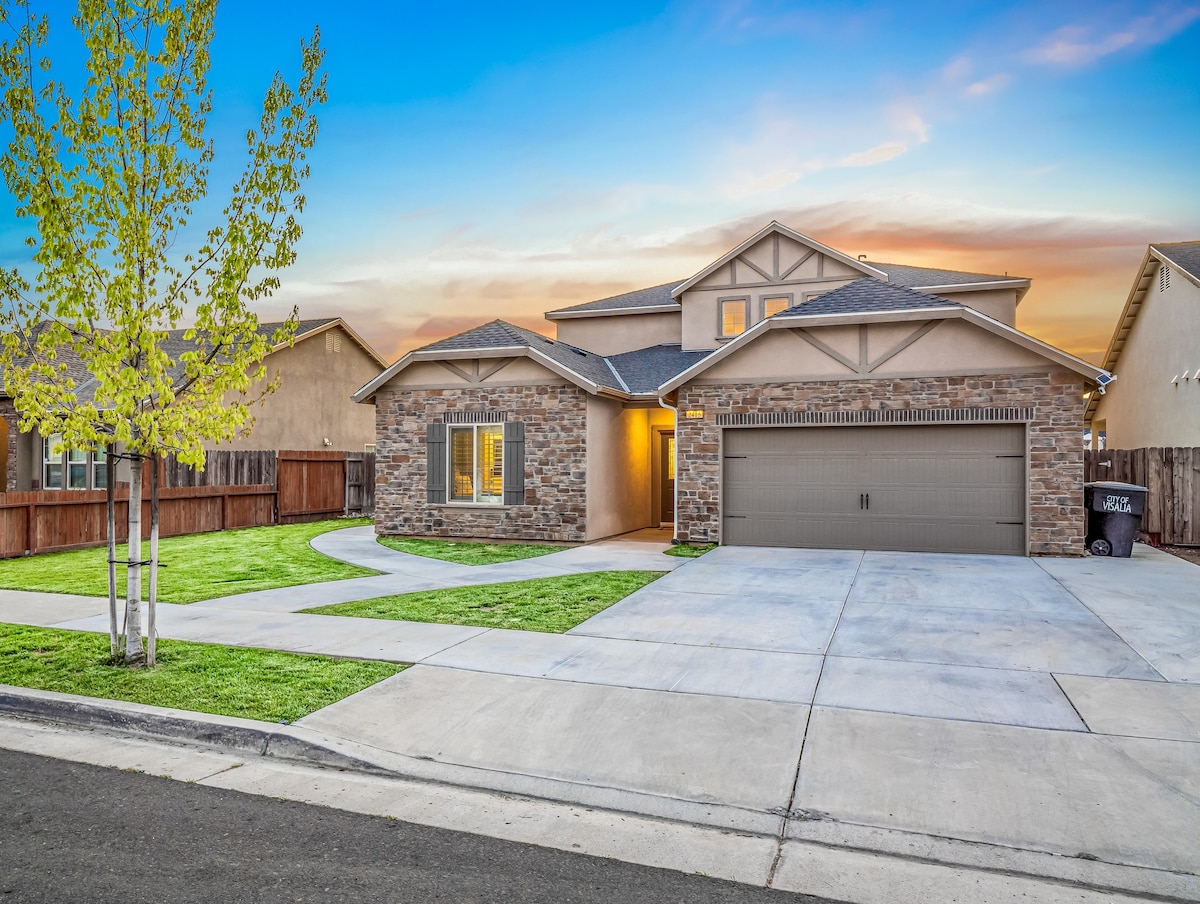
{"points": [[803, 322], [776, 227]]}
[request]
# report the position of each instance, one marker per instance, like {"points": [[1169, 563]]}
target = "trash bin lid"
{"points": [[1115, 485]]}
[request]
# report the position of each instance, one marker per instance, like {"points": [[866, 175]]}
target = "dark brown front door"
{"points": [[666, 467]]}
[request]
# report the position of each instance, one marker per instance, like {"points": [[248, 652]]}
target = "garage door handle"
{"points": [[868, 502], [860, 501], [864, 500]]}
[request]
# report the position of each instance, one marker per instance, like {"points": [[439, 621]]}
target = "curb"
{"points": [[240, 735]]}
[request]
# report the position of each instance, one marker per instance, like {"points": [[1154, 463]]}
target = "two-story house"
{"points": [[787, 394]]}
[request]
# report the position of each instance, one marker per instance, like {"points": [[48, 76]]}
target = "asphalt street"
{"points": [[73, 832]]}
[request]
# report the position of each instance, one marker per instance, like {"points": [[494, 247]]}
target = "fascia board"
{"points": [[977, 286], [339, 322], [1057, 355], [776, 226], [1165, 257], [673, 308]]}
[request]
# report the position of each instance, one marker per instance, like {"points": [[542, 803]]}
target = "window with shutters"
{"points": [[476, 464]]}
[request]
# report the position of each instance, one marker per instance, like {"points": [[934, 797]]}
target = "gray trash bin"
{"points": [[1114, 514]]}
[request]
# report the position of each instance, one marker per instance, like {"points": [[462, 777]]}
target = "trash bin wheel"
{"points": [[1101, 548]]}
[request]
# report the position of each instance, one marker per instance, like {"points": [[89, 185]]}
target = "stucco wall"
{"points": [[619, 467], [555, 463], [1143, 407], [951, 347], [313, 402], [999, 304], [623, 333], [1055, 465]]}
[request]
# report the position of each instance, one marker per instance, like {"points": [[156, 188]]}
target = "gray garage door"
{"points": [[921, 488]]}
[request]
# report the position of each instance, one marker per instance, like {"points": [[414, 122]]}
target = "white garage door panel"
{"points": [[930, 488]]}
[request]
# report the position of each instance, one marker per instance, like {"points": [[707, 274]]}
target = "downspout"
{"points": [[675, 520]]}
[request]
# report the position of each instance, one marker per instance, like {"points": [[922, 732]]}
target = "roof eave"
{"points": [[672, 308], [1018, 284], [776, 226]]}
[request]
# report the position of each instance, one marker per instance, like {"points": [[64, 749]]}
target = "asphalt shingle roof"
{"points": [[865, 296], [501, 334], [641, 298], [646, 369], [1184, 255], [916, 277]]}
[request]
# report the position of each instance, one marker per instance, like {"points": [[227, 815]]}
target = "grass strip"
{"points": [[550, 605], [196, 566], [210, 678], [687, 551], [469, 552]]}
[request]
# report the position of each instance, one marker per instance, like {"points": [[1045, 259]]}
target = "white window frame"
{"points": [[477, 498], [65, 460]]}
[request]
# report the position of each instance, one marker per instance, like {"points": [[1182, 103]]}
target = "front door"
{"points": [[666, 467]]}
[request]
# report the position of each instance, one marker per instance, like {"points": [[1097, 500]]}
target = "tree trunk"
{"points": [[110, 470], [133, 603], [152, 598]]}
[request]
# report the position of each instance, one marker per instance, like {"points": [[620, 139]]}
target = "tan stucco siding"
{"points": [[313, 402], [616, 334], [1144, 407], [951, 347], [999, 304], [618, 468], [701, 307], [432, 375]]}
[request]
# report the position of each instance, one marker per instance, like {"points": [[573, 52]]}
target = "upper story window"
{"points": [[477, 464], [773, 304], [71, 469], [735, 316]]}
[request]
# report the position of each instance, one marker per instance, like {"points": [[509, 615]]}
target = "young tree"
{"points": [[110, 179]]}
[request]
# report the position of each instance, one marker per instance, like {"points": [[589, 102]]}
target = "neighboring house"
{"points": [[1155, 351], [787, 394], [309, 410]]}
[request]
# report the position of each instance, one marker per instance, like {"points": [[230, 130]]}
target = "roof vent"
{"points": [[581, 354], [1164, 278]]}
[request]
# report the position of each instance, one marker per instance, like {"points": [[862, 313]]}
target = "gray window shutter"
{"points": [[514, 463], [435, 462]]}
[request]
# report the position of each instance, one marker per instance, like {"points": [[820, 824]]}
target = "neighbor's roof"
{"points": [[655, 297], [866, 295], [175, 345], [1184, 257]]}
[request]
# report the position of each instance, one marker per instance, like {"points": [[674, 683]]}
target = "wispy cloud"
{"points": [[1080, 45], [989, 85], [879, 154]]}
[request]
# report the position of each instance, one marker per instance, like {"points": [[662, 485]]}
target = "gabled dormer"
{"points": [[775, 269]]}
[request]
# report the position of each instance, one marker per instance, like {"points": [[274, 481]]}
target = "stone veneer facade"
{"points": [[555, 508], [1055, 467], [8, 411]]}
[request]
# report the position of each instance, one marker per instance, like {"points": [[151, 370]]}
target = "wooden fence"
{"points": [[54, 520], [236, 489], [1172, 477]]}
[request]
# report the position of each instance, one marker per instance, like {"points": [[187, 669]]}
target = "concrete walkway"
{"points": [[1035, 716]]}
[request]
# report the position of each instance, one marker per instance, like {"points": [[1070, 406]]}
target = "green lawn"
{"points": [[197, 566], [686, 551], [207, 678], [550, 605], [468, 552]]}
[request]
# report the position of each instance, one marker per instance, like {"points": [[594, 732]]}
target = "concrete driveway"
{"points": [[973, 710]]}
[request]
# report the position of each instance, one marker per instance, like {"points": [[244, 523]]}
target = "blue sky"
{"points": [[488, 160]]}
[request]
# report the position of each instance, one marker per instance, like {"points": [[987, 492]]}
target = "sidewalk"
{"points": [[1005, 729]]}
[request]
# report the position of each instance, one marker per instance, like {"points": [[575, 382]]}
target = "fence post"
{"points": [[32, 528]]}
